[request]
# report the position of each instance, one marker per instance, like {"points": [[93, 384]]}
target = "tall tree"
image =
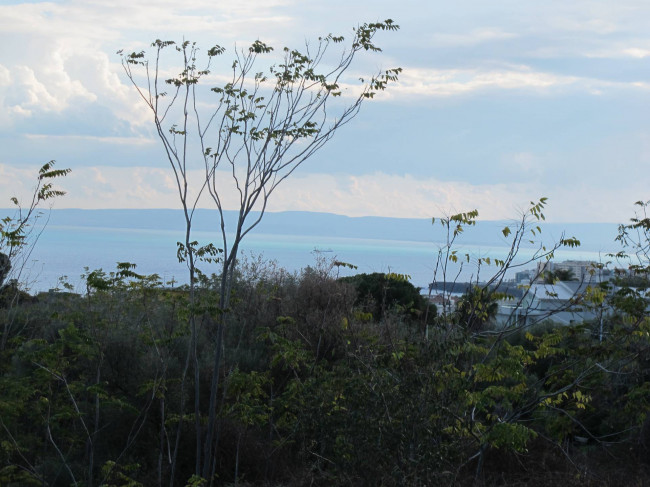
{"points": [[260, 126]]}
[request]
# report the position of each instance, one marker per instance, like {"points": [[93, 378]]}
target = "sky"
{"points": [[499, 103]]}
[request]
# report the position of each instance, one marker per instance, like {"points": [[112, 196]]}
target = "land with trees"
{"points": [[252, 375], [323, 381]]}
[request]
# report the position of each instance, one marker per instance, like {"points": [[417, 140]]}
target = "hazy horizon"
{"points": [[75, 239], [593, 236], [8, 210]]}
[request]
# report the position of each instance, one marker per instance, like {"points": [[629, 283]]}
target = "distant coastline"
{"points": [[594, 237], [75, 239]]}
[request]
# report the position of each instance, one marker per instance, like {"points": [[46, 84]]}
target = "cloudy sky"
{"points": [[499, 103]]}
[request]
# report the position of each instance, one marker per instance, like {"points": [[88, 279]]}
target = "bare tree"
{"points": [[258, 128], [635, 238], [481, 294]]}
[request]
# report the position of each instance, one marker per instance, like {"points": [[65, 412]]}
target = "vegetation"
{"points": [[324, 381], [380, 293], [559, 275]]}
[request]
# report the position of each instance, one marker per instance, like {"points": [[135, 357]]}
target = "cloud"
{"points": [[5, 76], [441, 83], [620, 52], [451, 82], [16, 182], [99, 177], [67, 56], [583, 23], [109, 140], [407, 196], [402, 196], [70, 80], [522, 164], [472, 38], [30, 93], [94, 20], [67, 60], [376, 194]]}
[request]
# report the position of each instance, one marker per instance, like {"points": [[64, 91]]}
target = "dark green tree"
{"points": [[559, 275], [383, 293], [477, 308]]}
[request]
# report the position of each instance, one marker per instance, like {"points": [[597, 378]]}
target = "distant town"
{"points": [[557, 292]]}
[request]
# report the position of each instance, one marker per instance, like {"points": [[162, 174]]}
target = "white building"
{"points": [[559, 302], [582, 270]]}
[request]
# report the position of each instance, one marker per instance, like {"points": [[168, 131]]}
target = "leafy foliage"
{"points": [[380, 293], [318, 393]]}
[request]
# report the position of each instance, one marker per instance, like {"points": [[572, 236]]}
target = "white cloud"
{"points": [[64, 76], [472, 38], [636, 52], [620, 52], [99, 177], [583, 23], [522, 163], [5, 76], [451, 82], [68, 52], [441, 83], [127, 141], [67, 56], [406, 196], [377, 194], [52, 91], [94, 20], [15, 182]]}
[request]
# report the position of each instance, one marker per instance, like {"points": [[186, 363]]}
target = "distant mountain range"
{"points": [[593, 236]]}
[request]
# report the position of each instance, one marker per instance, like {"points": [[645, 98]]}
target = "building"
{"points": [[559, 302], [581, 270]]}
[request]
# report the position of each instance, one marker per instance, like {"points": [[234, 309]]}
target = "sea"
{"points": [[71, 244]]}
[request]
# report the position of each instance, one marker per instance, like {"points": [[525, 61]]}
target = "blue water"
{"points": [[67, 250]]}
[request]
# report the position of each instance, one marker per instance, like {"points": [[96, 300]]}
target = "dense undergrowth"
{"points": [[322, 384], [307, 379]]}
